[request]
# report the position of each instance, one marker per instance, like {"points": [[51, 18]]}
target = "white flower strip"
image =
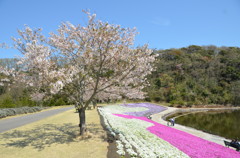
{"points": [[120, 148], [134, 136]]}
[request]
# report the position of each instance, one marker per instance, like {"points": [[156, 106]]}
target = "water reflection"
{"points": [[222, 123]]}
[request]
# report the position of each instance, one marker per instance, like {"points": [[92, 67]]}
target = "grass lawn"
{"points": [[56, 136]]}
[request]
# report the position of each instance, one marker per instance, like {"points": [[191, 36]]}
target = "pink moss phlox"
{"points": [[192, 145]]}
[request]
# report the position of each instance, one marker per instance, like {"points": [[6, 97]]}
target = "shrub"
{"points": [[6, 101], [15, 111], [59, 102], [3, 113]]}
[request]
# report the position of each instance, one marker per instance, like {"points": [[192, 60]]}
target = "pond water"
{"points": [[222, 123]]}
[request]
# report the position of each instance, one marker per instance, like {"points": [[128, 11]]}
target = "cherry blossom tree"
{"points": [[6, 76], [37, 69], [99, 61]]}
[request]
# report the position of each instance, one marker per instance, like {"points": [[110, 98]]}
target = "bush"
{"points": [[189, 104], [157, 99], [59, 102], [6, 101], [3, 114], [148, 99], [15, 111], [178, 103], [25, 101], [9, 101]]}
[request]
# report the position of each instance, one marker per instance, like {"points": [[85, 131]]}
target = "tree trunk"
{"points": [[94, 103], [82, 119]]}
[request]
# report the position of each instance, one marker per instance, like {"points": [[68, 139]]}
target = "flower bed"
{"points": [[189, 144], [141, 137], [151, 109], [133, 136]]}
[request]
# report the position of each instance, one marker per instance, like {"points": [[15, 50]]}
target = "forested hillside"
{"points": [[183, 77], [196, 76]]}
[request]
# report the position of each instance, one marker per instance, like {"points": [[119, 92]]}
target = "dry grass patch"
{"points": [[56, 136]]}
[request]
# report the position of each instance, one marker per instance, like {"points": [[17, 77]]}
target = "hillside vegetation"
{"points": [[196, 76]]}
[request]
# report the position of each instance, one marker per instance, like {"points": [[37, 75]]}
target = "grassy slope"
{"points": [[56, 136]]}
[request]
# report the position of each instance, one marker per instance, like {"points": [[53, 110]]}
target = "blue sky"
{"points": [[163, 24]]}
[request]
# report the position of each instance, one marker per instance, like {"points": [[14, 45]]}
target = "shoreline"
{"points": [[160, 118]]}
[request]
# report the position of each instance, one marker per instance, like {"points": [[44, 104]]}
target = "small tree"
{"points": [[100, 62]]}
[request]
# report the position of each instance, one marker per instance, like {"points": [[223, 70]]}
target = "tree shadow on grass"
{"points": [[96, 131], [41, 136], [48, 134]]}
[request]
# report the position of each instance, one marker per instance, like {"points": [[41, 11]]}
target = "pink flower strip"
{"points": [[193, 146]]}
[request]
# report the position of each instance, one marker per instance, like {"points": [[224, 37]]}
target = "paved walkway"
{"points": [[213, 138], [11, 123]]}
